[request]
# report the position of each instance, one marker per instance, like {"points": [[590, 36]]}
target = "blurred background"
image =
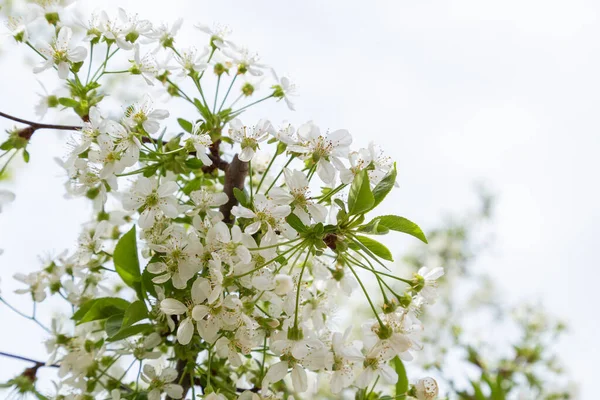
{"points": [[457, 92]]}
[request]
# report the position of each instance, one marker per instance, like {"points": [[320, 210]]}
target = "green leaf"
{"points": [[402, 384], [137, 311], [398, 224], [296, 223], [240, 196], [126, 261], [185, 125], [375, 247], [384, 187], [25, 156], [360, 198], [113, 324], [194, 163], [130, 331], [98, 309], [374, 228], [68, 102]]}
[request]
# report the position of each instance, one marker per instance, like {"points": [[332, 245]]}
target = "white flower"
{"points": [[126, 142], [248, 138], [299, 197], [114, 29], [61, 53], [324, 149], [244, 60], [6, 197], [18, 26], [283, 89], [165, 35], [266, 213], [201, 142], [145, 115], [345, 356], [133, 27], [192, 61], [180, 258], [159, 383], [217, 34], [154, 200], [91, 241], [428, 277], [373, 368], [91, 130], [110, 157], [373, 158], [36, 283], [205, 201], [145, 66]]}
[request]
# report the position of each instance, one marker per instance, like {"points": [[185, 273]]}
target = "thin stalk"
{"points": [[227, 93], [279, 174], [298, 290], [262, 179], [366, 295]]}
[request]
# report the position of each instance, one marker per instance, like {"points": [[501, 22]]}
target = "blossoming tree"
{"points": [[202, 269]]}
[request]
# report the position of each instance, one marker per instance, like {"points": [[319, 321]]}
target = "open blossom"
{"points": [[144, 66], [266, 214], [112, 159], [164, 35], [283, 89], [153, 199], [249, 138], [180, 258], [325, 150], [297, 195], [161, 383], [217, 34], [205, 201], [91, 129], [192, 61], [244, 60], [427, 279], [61, 53], [200, 142], [144, 114]]}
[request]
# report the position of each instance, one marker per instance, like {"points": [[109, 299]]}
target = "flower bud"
{"points": [[426, 389]]}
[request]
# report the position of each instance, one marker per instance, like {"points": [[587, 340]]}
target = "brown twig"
{"points": [[33, 126], [36, 362]]}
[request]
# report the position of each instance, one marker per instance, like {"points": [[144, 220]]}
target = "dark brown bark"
{"points": [[235, 176]]}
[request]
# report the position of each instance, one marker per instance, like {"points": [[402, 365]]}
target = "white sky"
{"points": [[505, 91]]}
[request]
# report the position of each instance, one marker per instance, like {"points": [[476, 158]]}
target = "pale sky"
{"points": [[456, 91]]}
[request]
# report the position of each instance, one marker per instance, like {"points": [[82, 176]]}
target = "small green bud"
{"points": [[247, 89], [52, 18]]}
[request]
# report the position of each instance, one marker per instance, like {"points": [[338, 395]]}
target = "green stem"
{"points": [[31, 318], [366, 295], [228, 90], [266, 171], [237, 112], [279, 174], [216, 94], [298, 290], [87, 78]]}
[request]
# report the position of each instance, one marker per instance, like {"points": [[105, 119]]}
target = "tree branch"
{"points": [[235, 176], [33, 126], [21, 358]]}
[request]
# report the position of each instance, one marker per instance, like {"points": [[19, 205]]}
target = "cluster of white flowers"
{"points": [[242, 265]]}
